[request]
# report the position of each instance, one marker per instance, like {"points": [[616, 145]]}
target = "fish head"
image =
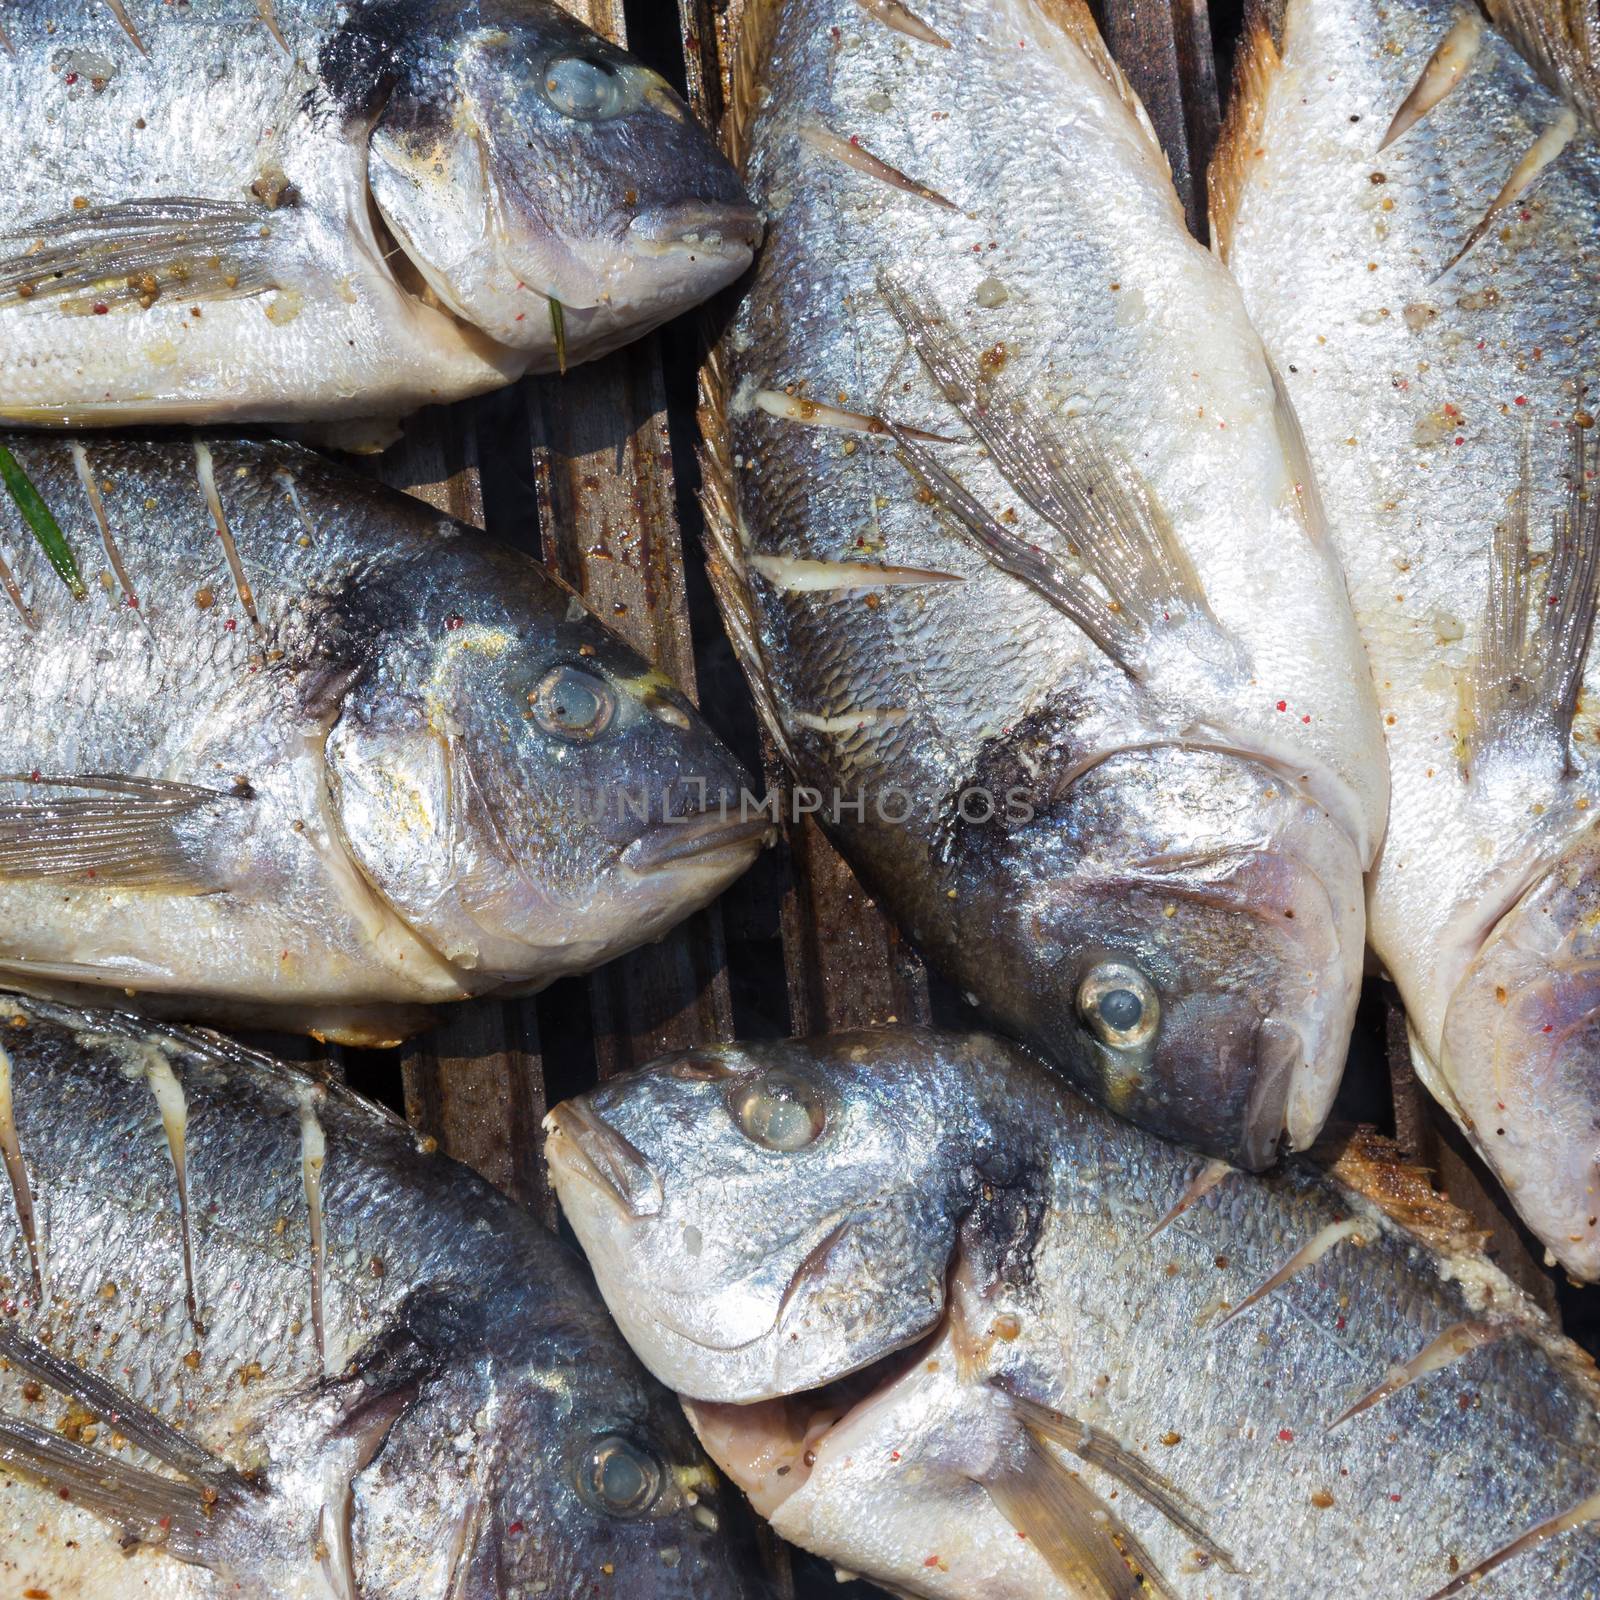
{"points": [[505, 1443], [1179, 929], [526, 793], [628, 1494], [1520, 1053], [550, 189], [763, 1218]]}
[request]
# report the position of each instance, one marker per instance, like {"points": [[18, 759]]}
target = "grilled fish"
{"points": [[293, 209], [922, 1300], [257, 1343], [1048, 672], [294, 744], [1415, 220]]}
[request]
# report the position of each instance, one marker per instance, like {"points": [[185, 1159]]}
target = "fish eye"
{"points": [[586, 87], [619, 1478], [1119, 1005], [573, 704], [779, 1111]]}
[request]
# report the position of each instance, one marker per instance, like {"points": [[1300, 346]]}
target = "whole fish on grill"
{"points": [[961, 1332], [259, 1343], [300, 750], [1414, 217], [295, 209], [1015, 538]]}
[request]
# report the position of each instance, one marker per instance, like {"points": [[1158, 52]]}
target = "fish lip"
{"points": [[729, 231], [593, 1151], [694, 841]]}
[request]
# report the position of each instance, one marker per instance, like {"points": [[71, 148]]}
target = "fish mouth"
{"points": [[697, 841], [729, 233], [586, 1147]]}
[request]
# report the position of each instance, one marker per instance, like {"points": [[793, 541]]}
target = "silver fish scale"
{"points": [[110, 1232], [190, 639], [1445, 1471], [209, 85]]}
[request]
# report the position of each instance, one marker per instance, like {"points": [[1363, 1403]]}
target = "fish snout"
{"points": [[1220, 1081], [585, 1148]]}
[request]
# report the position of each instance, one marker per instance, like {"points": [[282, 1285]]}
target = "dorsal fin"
{"points": [[726, 565], [747, 58], [1376, 1168], [1239, 143]]}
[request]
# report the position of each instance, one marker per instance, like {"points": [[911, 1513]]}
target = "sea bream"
{"points": [[961, 1332], [1015, 539], [1414, 217], [299, 209], [286, 746], [261, 1343]]}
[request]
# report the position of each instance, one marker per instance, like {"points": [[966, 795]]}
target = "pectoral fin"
{"points": [[135, 1422], [1562, 42], [129, 832], [1013, 554], [134, 252], [1130, 1470], [1110, 527], [1084, 1544], [1529, 664], [145, 1507]]}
